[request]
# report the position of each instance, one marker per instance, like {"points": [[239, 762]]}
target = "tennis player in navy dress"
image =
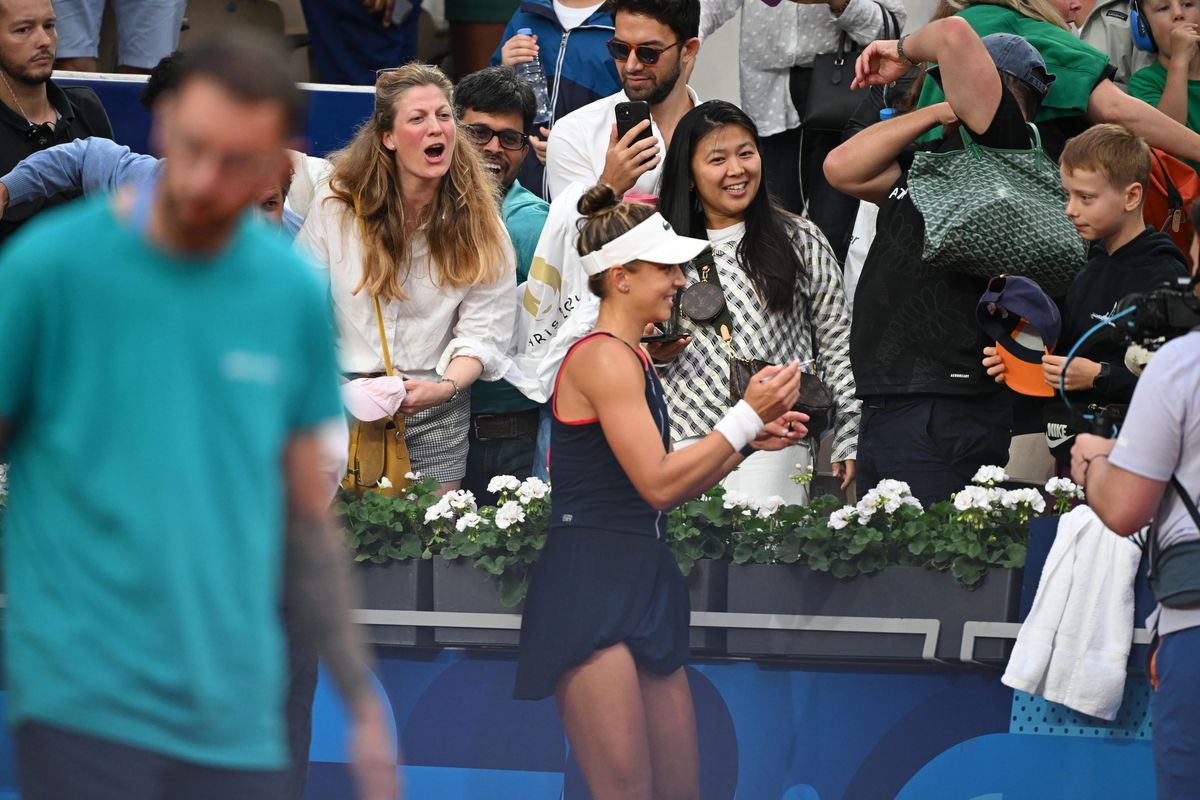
{"points": [[605, 627]]}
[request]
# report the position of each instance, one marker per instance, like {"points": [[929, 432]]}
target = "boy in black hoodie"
{"points": [[1105, 171]]}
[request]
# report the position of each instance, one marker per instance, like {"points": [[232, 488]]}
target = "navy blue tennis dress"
{"points": [[605, 574]]}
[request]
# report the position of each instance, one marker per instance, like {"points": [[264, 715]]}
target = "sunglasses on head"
{"points": [[481, 134], [645, 53]]}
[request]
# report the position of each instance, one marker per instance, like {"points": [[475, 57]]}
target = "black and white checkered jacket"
{"points": [[816, 328]]}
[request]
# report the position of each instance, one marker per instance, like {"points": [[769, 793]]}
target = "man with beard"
{"points": [[145, 659], [495, 108], [655, 47], [34, 112]]}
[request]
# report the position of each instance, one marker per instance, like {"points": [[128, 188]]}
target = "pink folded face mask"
{"points": [[369, 399]]}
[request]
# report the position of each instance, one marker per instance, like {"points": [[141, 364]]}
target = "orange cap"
{"points": [[1021, 374]]}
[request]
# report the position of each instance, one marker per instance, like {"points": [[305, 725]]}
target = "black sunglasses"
{"points": [[481, 134], [646, 54]]}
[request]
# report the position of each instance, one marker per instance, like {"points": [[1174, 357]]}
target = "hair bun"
{"points": [[596, 199]]}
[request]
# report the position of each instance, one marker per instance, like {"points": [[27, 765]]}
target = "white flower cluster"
{"points": [[468, 521], [526, 491], [451, 505], [751, 506], [888, 496], [1064, 488], [1032, 498], [988, 498], [532, 489], [385, 482], [989, 476], [509, 514], [503, 483], [412, 476], [981, 498], [3, 478]]}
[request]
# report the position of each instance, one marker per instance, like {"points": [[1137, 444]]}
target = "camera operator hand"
{"points": [[1087, 448], [1081, 372]]}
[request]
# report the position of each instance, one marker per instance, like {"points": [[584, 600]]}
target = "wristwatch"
{"points": [[1100, 382], [453, 383]]}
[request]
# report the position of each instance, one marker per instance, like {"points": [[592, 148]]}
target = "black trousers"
{"points": [[935, 444], [793, 166]]}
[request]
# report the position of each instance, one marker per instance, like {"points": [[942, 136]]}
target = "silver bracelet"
{"points": [[900, 50], [453, 383]]}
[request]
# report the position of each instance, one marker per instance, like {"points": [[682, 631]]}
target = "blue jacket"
{"points": [[88, 165], [577, 65]]}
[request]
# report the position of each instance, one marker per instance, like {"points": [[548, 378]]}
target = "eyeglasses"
{"points": [[481, 135], [645, 53]]}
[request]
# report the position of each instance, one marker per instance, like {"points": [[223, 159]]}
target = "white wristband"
{"points": [[740, 425]]}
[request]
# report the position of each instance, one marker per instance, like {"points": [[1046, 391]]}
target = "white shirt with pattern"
{"points": [[774, 40]]}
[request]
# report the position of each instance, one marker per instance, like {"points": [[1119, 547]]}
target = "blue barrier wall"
{"points": [[767, 732], [333, 115]]}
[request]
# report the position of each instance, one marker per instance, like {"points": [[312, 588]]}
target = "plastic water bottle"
{"points": [[532, 73]]}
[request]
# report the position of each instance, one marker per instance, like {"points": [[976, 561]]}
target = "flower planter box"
{"points": [[894, 593], [397, 586], [459, 586], [707, 589]]}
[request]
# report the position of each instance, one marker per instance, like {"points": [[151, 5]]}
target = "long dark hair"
{"points": [[767, 252]]}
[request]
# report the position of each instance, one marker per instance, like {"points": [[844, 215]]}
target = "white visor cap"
{"points": [[653, 240]]}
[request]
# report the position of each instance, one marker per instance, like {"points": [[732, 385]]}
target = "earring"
{"points": [[623, 289]]}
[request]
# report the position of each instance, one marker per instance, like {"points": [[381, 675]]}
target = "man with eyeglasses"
{"points": [[655, 47], [495, 108], [35, 113]]}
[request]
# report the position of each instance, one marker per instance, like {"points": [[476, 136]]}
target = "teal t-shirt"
{"points": [[1148, 84], [524, 215], [150, 400]]}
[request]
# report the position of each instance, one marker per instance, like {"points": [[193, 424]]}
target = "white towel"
{"points": [[1074, 645]]}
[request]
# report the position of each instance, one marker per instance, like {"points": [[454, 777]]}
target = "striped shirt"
{"points": [[817, 328]]}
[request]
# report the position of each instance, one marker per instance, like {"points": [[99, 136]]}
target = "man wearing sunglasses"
{"points": [[654, 46], [495, 108]]}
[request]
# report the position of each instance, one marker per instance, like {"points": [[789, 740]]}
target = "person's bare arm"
{"points": [[1174, 100], [319, 593], [1123, 501], [608, 383], [968, 74], [865, 166], [1107, 103]]}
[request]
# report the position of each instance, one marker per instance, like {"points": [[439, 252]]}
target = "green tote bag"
{"points": [[994, 212]]}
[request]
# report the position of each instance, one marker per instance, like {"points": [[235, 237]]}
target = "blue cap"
{"points": [[1025, 323], [1014, 55], [886, 113]]}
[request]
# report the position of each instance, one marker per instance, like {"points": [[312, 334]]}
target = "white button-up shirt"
{"points": [[432, 326], [578, 146]]}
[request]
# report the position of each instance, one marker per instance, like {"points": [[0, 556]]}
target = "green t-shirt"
{"points": [[524, 215], [1148, 83], [1077, 66], [150, 400]]}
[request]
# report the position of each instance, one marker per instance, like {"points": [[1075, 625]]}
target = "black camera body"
{"points": [[1160, 314], [1104, 421]]}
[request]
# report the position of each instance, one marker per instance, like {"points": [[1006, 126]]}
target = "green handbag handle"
{"points": [[976, 150]]}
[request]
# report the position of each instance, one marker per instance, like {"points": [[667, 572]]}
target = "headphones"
{"points": [[1139, 28]]}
